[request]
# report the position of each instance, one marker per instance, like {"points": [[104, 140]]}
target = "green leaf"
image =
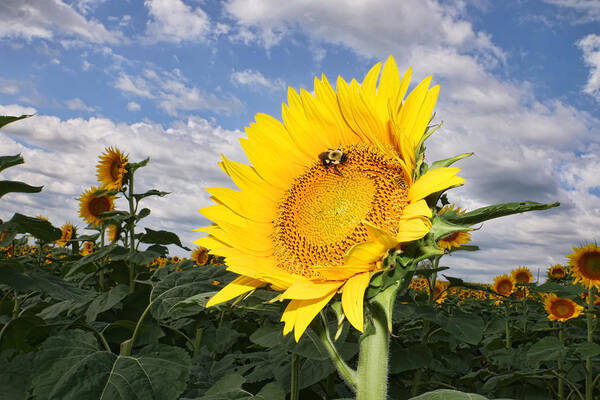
{"points": [[10, 161], [106, 301], [24, 333], [39, 228], [152, 192], [17, 187], [499, 210], [15, 375], [112, 250], [441, 228], [548, 348], [144, 212], [448, 394], [70, 366], [41, 281], [587, 349], [465, 327], [448, 161], [161, 237], [271, 391], [410, 357], [5, 120], [228, 383], [178, 287], [132, 167]]}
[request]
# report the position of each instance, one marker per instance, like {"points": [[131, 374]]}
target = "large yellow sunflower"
{"points": [[331, 189], [522, 275], [91, 205], [561, 309], [455, 239], [66, 234], [585, 265], [111, 169]]}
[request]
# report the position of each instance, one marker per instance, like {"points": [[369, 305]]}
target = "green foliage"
{"points": [[17, 187], [5, 120], [37, 227]]}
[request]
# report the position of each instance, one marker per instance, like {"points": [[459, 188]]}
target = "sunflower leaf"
{"points": [[5, 120], [448, 161], [499, 210], [10, 161], [441, 227], [37, 227], [152, 192], [161, 237], [447, 394], [132, 167]]}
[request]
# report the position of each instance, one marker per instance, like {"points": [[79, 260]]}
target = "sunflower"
{"points": [[585, 265], [200, 256], [439, 292], [112, 233], [111, 169], [455, 239], [522, 275], [557, 272], [88, 248], [504, 284], [561, 309], [331, 190], [91, 205], [66, 234]]}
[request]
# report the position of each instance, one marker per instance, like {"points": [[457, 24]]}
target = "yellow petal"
{"points": [[434, 181], [307, 289], [342, 273], [244, 204], [353, 298], [307, 310], [289, 316], [373, 250], [418, 208], [413, 229], [239, 286]]}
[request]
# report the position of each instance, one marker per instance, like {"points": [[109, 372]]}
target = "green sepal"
{"points": [[5, 120], [10, 161], [448, 161], [499, 210]]}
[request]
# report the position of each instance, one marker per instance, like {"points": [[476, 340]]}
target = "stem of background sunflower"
{"points": [[131, 234], [561, 383], [321, 330], [507, 327], [373, 359], [295, 386], [101, 271], [589, 387]]}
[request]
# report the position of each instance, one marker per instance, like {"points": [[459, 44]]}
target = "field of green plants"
{"points": [[99, 309]]}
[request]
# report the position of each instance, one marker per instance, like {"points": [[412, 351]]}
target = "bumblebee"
{"points": [[334, 158]]}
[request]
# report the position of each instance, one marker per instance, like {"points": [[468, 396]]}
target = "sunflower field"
{"points": [[321, 277]]}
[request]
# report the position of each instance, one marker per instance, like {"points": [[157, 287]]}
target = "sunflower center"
{"points": [[98, 205], [522, 277], [505, 287], [562, 309], [591, 265], [115, 167], [320, 216]]}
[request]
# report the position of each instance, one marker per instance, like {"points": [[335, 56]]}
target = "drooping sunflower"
{"points": [[66, 234], [200, 256], [557, 272], [91, 205], [561, 309], [585, 265], [455, 239], [111, 169], [504, 284], [522, 275], [331, 189]]}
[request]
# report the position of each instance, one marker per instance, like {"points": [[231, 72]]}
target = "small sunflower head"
{"points": [[561, 309], [88, 248], [112, 233], [200, 256], [505, 284], [456, 239], [67, 231], [522, 275], [111, 169], [585, 265], [557, 271], [439, 292], [91, 206]]}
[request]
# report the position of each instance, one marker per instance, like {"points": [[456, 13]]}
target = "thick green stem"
{"points": [[507, 328], [561, 383], [198, 340], [295, 387], [131, 234], [373, 359], [320, 329], [589, 386]]}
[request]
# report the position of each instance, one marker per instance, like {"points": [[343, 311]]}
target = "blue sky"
{"points": [[179, 79]]}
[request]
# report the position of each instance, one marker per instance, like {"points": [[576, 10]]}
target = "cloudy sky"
{"points": [[178, 80]]}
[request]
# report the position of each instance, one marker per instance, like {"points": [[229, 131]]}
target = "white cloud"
{"points": [[587, 10], [590, 46], [9, 86], [256, 80], [175, 21], [77, 104], [171, 91], [62, 155], [133, 106], [45, 19]]}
